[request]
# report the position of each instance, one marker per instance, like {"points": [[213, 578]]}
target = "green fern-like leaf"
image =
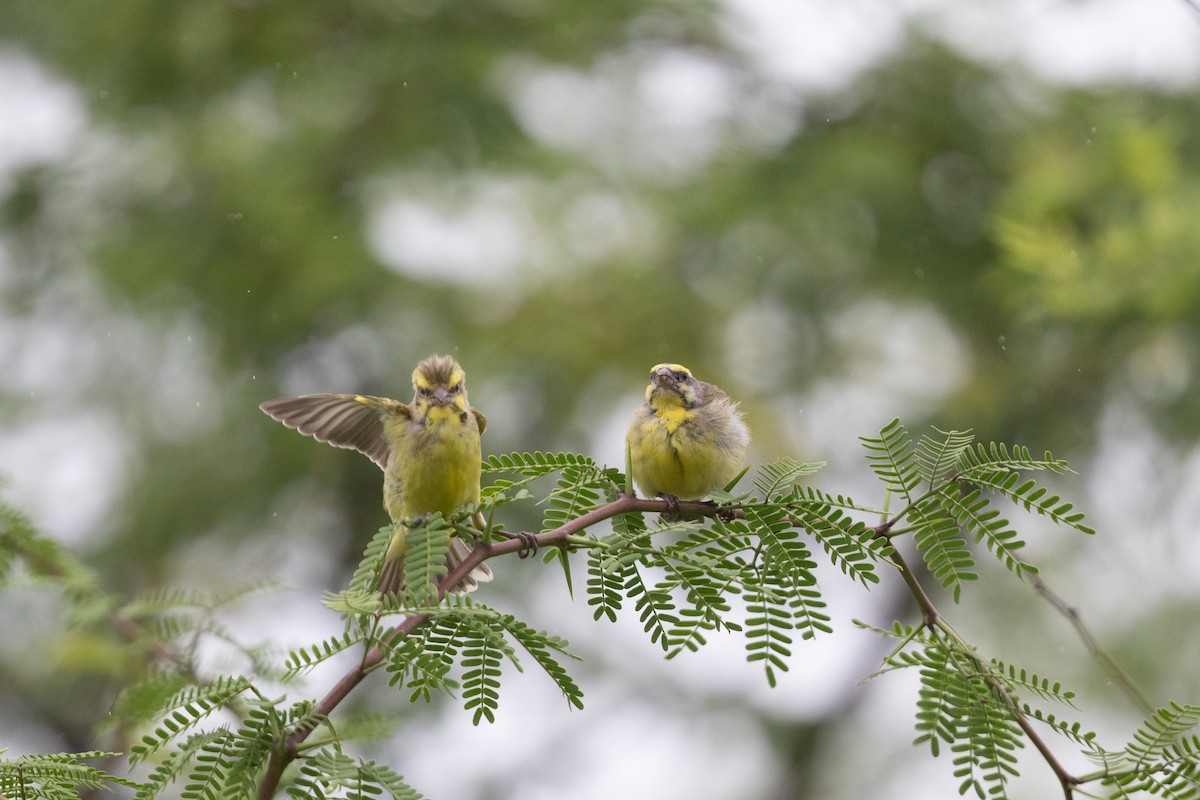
{"points": [[609, 564], [160, 600], [606, 581], [483, 649], [986, 759], [144, 700], [768, 639], [56, 776], [655, 607], [390, 781], [1021, 682], [936, 535], [422, 661], [331, 773], [318, 771], [893, 459], [850, 546], [782, 473], [425, 549], [577, 491], [1029, 495], [19, 540], [961, 704], [305, 659], [185, 710], [974, 513], [1161, 730], [938, 456], [175, 762], [786, 555], [811, 495], [210, 767], [366, 575], [937, 715], [227, 766], [999, 456], [537, 463], [45, 558], [706, 608], [1074, 731], [787, 567], [163, 600], [542, 646]]}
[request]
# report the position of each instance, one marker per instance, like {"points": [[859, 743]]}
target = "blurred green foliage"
{"points": [[219, 219]]}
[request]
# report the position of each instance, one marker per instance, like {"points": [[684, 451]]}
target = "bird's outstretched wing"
{"points": [[353, 421]]}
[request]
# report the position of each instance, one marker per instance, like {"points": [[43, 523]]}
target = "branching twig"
{"points": [[289, 746], [286, 749], [1089, 640], [935, 620]]}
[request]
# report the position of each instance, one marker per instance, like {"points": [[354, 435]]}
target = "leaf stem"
{"points": [[288, 747]]}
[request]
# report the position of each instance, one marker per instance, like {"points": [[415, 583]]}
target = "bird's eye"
{"points": [[424, 391], [456, 388], [680, 376]]}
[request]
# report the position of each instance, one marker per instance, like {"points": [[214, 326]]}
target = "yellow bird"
{"points": [[688, 439], [428, 450]]}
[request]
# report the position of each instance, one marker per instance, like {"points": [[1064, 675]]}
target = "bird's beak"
{"points": [[663, 377], [441, 396]]}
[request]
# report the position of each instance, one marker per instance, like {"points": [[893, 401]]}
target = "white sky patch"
{"points": [[659, 113], [504, 233], [900, 360], [821, 45], [762, 339], [481, 235], [597, 225], [185, 387], [67, 473], [1142, 494], [562, 107], [1081, 42], [733, 748], [41, 117]]}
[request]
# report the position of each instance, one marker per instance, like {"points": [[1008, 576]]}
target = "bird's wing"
{"points": [[352, 421], [710, 393], [480, 418]]}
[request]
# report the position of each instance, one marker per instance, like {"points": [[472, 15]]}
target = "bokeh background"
{"points": [[979, 215]]}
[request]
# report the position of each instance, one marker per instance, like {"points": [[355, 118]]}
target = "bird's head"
{"points": [[673, 384], [439, 382]]}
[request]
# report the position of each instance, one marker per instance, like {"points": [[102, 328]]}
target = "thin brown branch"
{"points": [[928, 610], [1115, 673], [286, 749], [934, 619]]}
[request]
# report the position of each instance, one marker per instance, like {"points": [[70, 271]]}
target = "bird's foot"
{"points": [[529, 542], [672, 513]]}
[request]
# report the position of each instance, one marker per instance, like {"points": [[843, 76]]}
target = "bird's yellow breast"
{"points": [[435, 465], [670, 455], [671, 417]]}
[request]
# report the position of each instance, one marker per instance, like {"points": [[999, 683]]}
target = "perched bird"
{"points": [[688, 439], [428, 450]]}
